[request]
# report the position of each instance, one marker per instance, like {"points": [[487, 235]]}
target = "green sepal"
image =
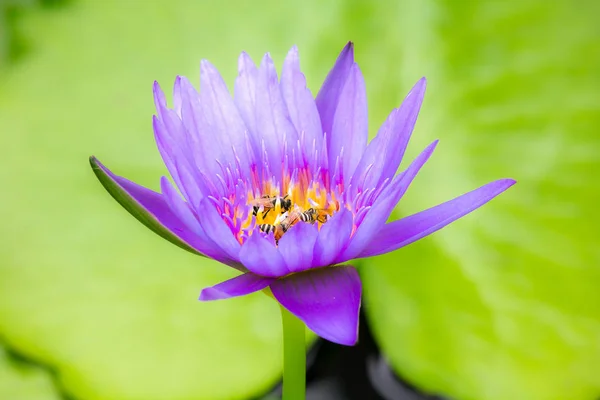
{"points": [[136, 209]]}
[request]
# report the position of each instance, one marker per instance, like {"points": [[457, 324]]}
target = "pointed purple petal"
{"points": [[206, 147], [272, 118], [384, 205], [301, 104], [328, 97], [222, 115], [326, 299], [168, 150], [333, 238], [177, 96], [350, 126], [182, 210], [148, 207], [297, 246], [213, 224], [407, 230], [174, 146], [402, 128], [173, 127], [260, 256], [245, 90], [384, 153], [239, 286], [182, 170]]}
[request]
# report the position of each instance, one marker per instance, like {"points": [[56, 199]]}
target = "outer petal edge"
{"points": [[327, 300], [241, 285], [405, 231]]}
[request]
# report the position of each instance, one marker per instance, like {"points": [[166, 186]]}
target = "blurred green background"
{"points": [[504, 304]]}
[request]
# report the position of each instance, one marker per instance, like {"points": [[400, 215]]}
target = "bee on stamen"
{"points": [[266, 203], [279, 227], [267, 228], [278, 230], [313, 215], [297, 215], [320, 214], [290, 218]]}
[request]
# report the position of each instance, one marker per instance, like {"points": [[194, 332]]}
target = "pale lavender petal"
{"points": [[350, 126], [260, 256], [173, 145], [384, 153], [222, 115], [182, 210], [384, 205], [167, 148], [407, 230], [327, 300], [272, 118], [148, 207], [301, 105], [170, 120], [402, 128], [245, 90], [297, 246], [177, 102], [207, 147], [239, 286], [333, 238], [213, 224], [328, 97]]}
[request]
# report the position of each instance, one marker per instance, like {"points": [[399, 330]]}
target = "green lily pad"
{"points": [[24, 382], [503, 304], [84, 287]]}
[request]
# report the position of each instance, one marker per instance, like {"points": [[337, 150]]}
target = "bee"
{"points": [[266, 203], [294, 216], [279, 227], [287, 220], [309, 216], [291, 218], [320, 214], [278, 230], [313, 215]]}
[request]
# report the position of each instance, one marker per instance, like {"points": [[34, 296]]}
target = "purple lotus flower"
{"points": [[284, 187]]}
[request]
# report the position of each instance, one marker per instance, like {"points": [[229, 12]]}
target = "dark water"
{"points": [[354, 373]]}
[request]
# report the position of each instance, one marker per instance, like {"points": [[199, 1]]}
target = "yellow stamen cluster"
{"points": [[270, 208]]}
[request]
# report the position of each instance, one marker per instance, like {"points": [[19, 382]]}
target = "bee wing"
{"points": [[261, 202], [281, 218], [294, 217], [313, 203]]}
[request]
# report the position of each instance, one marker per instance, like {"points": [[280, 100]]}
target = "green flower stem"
{"points": [[294, 357]]}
